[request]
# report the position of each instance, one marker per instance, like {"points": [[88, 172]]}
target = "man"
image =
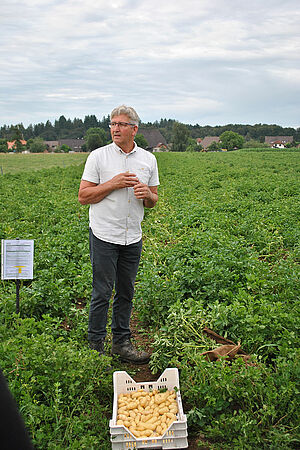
{"points": [[118, 181]]}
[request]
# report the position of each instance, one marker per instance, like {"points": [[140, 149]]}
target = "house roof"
{"points": [[52, 143], [278, 139], [153, 136], [208, 140], [10, 144], [74, 144]]}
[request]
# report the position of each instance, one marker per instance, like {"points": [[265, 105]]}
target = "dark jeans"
{"points": [[116, 266]]}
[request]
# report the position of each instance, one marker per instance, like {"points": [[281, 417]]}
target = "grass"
{"points": [[16, 162]]}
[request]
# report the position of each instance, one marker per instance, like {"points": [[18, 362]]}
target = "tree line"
{"points": [[181, 136], [72, 129]]}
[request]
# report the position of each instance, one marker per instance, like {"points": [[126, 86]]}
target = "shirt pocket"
{"points": [[143, 174]]}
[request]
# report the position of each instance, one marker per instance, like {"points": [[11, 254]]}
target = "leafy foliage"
{"points": [[231, 140], [141, 141], [37, 145], [180, 137], [221, 249], [95, 138]]}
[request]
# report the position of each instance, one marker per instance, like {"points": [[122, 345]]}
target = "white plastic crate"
{"points": [[176, 434]]}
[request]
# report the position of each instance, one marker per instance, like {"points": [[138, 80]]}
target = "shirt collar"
{"points": [[119, 150]]}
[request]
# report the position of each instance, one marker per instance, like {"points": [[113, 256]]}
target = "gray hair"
{"points": [[128, 111]]}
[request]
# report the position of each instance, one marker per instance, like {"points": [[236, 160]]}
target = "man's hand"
{"points": [[124, 180], [90, 193], [142, 191], [147, 194]]}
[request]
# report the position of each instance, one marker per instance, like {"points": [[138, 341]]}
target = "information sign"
{"points": [[17, 259]]}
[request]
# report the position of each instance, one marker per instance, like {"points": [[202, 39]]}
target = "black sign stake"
{"points": [[18, 296]]}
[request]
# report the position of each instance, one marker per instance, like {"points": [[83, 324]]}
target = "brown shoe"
{"points": [[128, 353]]}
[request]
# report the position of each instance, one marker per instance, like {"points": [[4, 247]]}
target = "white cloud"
{"points": [[72, 94], [213, 58]]}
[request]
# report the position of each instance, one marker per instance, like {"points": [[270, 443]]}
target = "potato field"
{"points": [[220, 251]]}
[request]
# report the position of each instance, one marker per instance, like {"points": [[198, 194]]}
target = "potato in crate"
{"points": [[148, 414]]}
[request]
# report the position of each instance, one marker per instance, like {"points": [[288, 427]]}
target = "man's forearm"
{"points": [[94, 194], [151, 201], [90, 193]]}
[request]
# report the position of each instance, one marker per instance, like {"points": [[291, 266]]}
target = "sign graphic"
{"points": [[17, 259]]}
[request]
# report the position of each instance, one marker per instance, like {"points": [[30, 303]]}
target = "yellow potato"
{"points": [[159, 430], [137, 434], [163, 410], [159, 399], [146, 433], [150, 426], [132, 405], [122, 410], [142, 426], [138, 394], [147, 413], [169, 422], [143, 401], [173, 409], [122, 417], [171, 416]]}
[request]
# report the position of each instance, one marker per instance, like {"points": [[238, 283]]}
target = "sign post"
{"points": [[17, 262]]}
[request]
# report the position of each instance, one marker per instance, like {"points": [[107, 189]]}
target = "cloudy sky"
{"points": [[197, 61]]}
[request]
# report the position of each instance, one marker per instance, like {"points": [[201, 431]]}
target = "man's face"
{"points": [[123, 136]]}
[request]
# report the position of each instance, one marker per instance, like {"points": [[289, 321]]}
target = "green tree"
{"points": [[16, 132], [214, 146], [65, 148], [28, 143], [193, 146], [292, 144], [141, 140], [180, 137], [90, 122], [18, 146], [95, 138], [38, 145], [231, 140], [253, 143], [3, 146]]}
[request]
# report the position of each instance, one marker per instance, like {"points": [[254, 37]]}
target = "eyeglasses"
{"points": [[121, 124]]}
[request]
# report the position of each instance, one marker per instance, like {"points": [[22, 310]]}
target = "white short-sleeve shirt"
{"points": [[117, 218]]}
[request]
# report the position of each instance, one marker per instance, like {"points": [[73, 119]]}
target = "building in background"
{"points": [[154, 138], [278, 141]]}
